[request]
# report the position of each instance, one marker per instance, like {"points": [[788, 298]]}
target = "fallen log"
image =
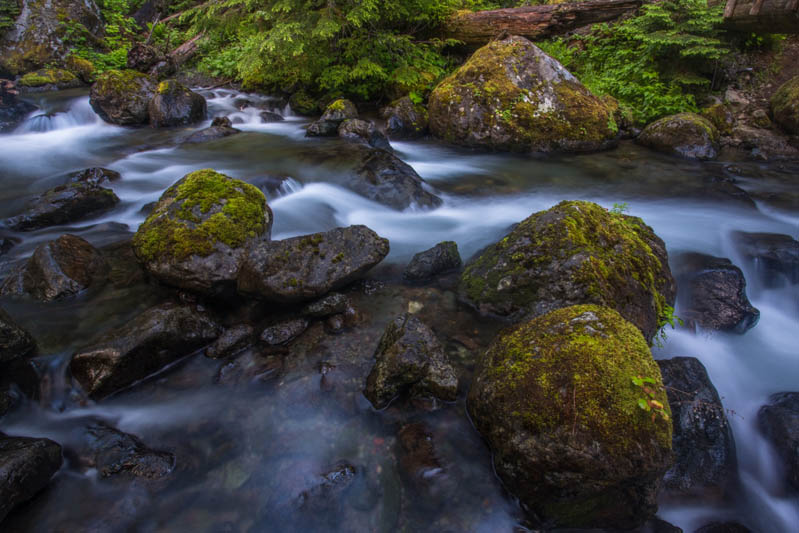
{"points": [[762, 16], [534, 22], [182, 53]]}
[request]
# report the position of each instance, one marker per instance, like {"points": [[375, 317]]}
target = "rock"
{"points": [[250, 367], [95, 176], [50, 79], [723, 527], [220, 127], [12, 110], [57, 269], [779, 422], [441, 258], [404, 119], [735, 99], [175, 105], [19, 378], [114, 453], [512, 96], [410, 360], [122, 97], [573, 253], [307, 267], [554, 399], [15, 342], [336, 113], [232, 341], [270, 116], [197, 236], [284, 332], [774, 257], [143, 57], [785, 106], [686, 134], [26, 466], [763, 145], [418, 461], [82, 68], [327, 488], [721, 117], [712, 292], [63, 205], [705, 463], [146, 344], [361, 131], [332, 304]]}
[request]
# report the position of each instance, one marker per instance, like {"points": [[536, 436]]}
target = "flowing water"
{"points": [[245, 453]]}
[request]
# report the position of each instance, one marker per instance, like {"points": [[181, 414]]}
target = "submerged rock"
{"points": [[419, 463], [198, 234], [173, 104], [779, 422], [146, 344], [404, 119], [64, 204], [361, 131], [114, 453], [686, 134], [270, 116], [712, 292], [773, 256], [232, 341], [26, 466], [220, 127], [441, 258], [554, 399], [512, 96], [785, 106], [95, 176], [336, 113], [574, 253], [723, 527], [332, 304], [15, 342], [284, 332], [307, 267], [410, 359], [122, 97]]}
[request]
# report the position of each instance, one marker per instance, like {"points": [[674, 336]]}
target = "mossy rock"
{"points": [[173, 104], [51, 78], [404, 119], [721, 117], [686, 135], [512, 96], [122, 97], [82, 68], [196, 236], [574, 253], [555, 399], [785, 106]]}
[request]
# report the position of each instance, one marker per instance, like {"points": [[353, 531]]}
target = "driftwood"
{"points": [[764, 16], [183, 53], [535, 22]]}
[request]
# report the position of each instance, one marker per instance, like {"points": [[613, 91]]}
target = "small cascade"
{"points": [[78, 113]]}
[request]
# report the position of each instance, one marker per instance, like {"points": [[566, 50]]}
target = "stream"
{"points": [[244, 451]]}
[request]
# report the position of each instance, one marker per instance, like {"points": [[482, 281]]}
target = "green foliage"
{"points": [[666, 318], [120, 30], [650, 389], [9, 11], [619, 208]]}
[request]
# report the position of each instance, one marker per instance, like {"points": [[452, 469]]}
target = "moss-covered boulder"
{"points": [[335, 113], [555, 399], [512, 96], [122, 97], [574, 253], [404, 119], [197, 235], [82, 68], [49, 79], [173, 104], [686, 135], [785, 106]]}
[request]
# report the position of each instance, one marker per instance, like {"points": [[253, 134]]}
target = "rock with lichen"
{"points": [[785, 106], [686, 135], [512, 96], [64, 204], [49, 79], [197, 235], [574, 253], [404, 119], [555, 399], [122, 97], [336, 113], [173, 104]]}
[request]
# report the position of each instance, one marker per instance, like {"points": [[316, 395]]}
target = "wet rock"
{"points": [[404, 119], [122, 97], [7, 243], [307, 267], [657, 525], [19, 379], [411, 360], [57, 269], [773, 256], [336, 113], [26, 466], [441, 258], [705, 463], [82, 68], [143, 57], [95, 176], [49, 79], [687, 135], [327, 489], [712, 292], [331, 304], [361, 131], [15, 342], [785, 106], [573, 253], [63, 205], [512, 96], [335, 323], [762, 145], [270, 116], [197, 236], [723, 527], [173, 104], [232, 341], [419, 462], [779, 422], [284, 332], [220, 127], [147, 343], [114, 453], [12, 110], [251, 367], [553, 398]]}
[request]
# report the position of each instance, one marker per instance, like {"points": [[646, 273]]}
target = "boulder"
{"points": [[49, 79], [95, 176], [26, 466], [270, 116], [220, 127], [232, 341], [404, 119], [779, 422], [723, 527], [63, 205], [336, 113], [555, 400], [12, 110], [143, 57], [307, 267], [332, 304], [82, 68], [410, 359], [705, 463], [686, 134], [785, 106], [712, 293], [420, 465], [175, 105], [197, 235], [146, 344], [441, 258], [774, 257], [114, 453], [284, 332], [122, 97], [361, 131], [574, 253], [57, 269], [512, 96], [15, 342]]}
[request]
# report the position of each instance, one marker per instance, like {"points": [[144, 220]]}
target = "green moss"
{"points": [[83, 68], [785, 105], [199, 211], [52, 76], [120, 81], [338, 105]]}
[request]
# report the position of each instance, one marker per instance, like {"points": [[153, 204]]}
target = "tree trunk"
{"points": [[182, 53], [765, 16], [536, 22]]}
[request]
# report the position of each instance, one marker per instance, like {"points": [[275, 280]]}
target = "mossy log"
{"points": [[534, 22], [765, 16]]}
